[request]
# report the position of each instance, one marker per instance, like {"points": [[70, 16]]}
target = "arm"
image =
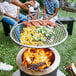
{"points": [[35, 16], [18, 11], [44, 12], [6, 14], [30, 14], [55, 13], [23, 5]]}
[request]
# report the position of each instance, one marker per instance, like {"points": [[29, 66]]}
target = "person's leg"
{"points": [[5, 67], [9, 21], [13, 22], [22, 18]]}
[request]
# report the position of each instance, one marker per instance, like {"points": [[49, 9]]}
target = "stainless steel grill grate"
{"points": [[59, 37]]}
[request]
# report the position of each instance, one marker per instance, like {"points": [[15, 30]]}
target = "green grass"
{"points": [[71, 0], [67, 50]]}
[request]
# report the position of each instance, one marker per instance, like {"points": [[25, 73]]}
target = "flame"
{"points": [[33, 56]]}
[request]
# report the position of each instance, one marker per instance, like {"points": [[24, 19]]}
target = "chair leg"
{"points": [[6, 28], [70, 28]]}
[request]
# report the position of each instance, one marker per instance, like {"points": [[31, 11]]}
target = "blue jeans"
{"points": [[13, 22]]}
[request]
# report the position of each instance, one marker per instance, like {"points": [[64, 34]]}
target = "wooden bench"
{"points": [[6, 28], [69, 21]]}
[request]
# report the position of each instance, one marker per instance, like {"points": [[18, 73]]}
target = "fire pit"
{"points": [[39, 59], [33, 70]]}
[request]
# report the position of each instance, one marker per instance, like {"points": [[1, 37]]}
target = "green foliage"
{"points": [[71, 1]]}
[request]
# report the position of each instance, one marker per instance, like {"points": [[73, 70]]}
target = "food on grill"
{"points": [[50, 23], [38, 23], [35, 23], [37, 36], [27, 23], [27, 36], [41, 22], [38, 59]]}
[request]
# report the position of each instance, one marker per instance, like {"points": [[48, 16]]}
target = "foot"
{"points": [[5, 67]]}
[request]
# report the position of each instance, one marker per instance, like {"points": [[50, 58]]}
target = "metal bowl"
{"points": [[51, 69]]}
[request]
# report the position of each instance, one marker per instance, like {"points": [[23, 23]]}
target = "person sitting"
{"points": [[11, 15], [33, 11], [50, 11]]}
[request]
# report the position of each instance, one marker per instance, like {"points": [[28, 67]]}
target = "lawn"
{"points": [[67, 50]]}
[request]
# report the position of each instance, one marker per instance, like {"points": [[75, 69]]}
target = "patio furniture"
{"points": [[69, 21], [6, 28]]}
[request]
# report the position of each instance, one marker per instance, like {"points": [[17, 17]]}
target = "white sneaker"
{"points": [[5, 67]]}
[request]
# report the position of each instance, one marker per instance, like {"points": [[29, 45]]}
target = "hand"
{"points": [[25, 5], [49, 17], [29, 3], [17, 19], [32, 18], [44, 18]]}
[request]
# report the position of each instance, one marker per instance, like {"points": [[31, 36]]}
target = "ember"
{"points": [[38, 59]]}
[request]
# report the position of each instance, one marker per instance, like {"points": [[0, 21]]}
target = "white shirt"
{"points": [[9, 8], [34, 9]]}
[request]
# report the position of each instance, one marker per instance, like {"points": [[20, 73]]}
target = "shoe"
{"points": [[5, 67]]}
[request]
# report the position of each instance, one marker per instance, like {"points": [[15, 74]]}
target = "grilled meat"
{"points": [[27, 24], [35, 23], [41, 22], [50, 23]]}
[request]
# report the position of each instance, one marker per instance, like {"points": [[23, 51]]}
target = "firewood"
{"points": [[34, 66]]}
